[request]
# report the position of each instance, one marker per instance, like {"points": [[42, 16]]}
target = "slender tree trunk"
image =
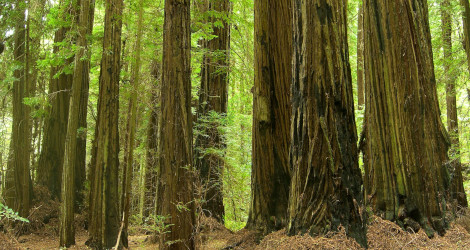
{"points": [[405, 146], [152, 162], [104, 208], [55, 126], [130, 139], [213, 97], [80, 155], [466, 28], [360, 57], [326, 181], [72, 152], [175, 190], [18, 187], [457, 189], [270, 176]]}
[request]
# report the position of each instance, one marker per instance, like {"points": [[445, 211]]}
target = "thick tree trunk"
{"points": [[175, 188], [326, 181], [457, 190], [104, 208], [55, 125], [18, 191], [213, 97], [72, 163], [270, 176], [405, 146], [360, 57]]}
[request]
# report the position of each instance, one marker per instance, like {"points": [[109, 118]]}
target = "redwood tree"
{"points": [[405, 142], [104, 208], [455, 165], [55, 125], [18, 190], [326, 180], [213, 97], [72, 161], [175, 190], [270, 176]]}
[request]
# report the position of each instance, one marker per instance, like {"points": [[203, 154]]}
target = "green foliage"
{"points": [[7, 214]]}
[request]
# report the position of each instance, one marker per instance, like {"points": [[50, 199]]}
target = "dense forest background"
{"points": [[58, 36]]}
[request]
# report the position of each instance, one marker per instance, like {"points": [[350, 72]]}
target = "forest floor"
{"points": [[381, 235], [43, 233]]}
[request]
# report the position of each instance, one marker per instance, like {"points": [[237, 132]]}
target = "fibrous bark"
{"points": [[18, 190], [213, 97], [270, 176], [405, 143], [72, 161], [104, 208], [175, 189], [326, 180], [55, 126]]}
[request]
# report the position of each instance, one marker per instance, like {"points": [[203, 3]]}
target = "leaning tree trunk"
{"points": [[72, 165], [270, 176], [104, 206], [405, 146], [213, 98], [55, 126], [175, 188], [17, 193], [457, 190], [326, 180]]}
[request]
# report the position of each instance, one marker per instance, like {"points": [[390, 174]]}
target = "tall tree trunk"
{"points": [[326, 180], [175, 188], [131, 125], [72, 164], [466, 28], [360, 57], [55, 126], [152, 162], [18, 186], [80, 155], [270, 176], [457, 189], [405, 146], [213, 98], [104, 208]]}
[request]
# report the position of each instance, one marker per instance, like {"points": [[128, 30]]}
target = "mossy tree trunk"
{"points": [[326, 181], [175, 189], [18, 190], [104, 206], [213, 98], [457, 190], [72, 161], [55, 125], [270, 177], [405, 143]]}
